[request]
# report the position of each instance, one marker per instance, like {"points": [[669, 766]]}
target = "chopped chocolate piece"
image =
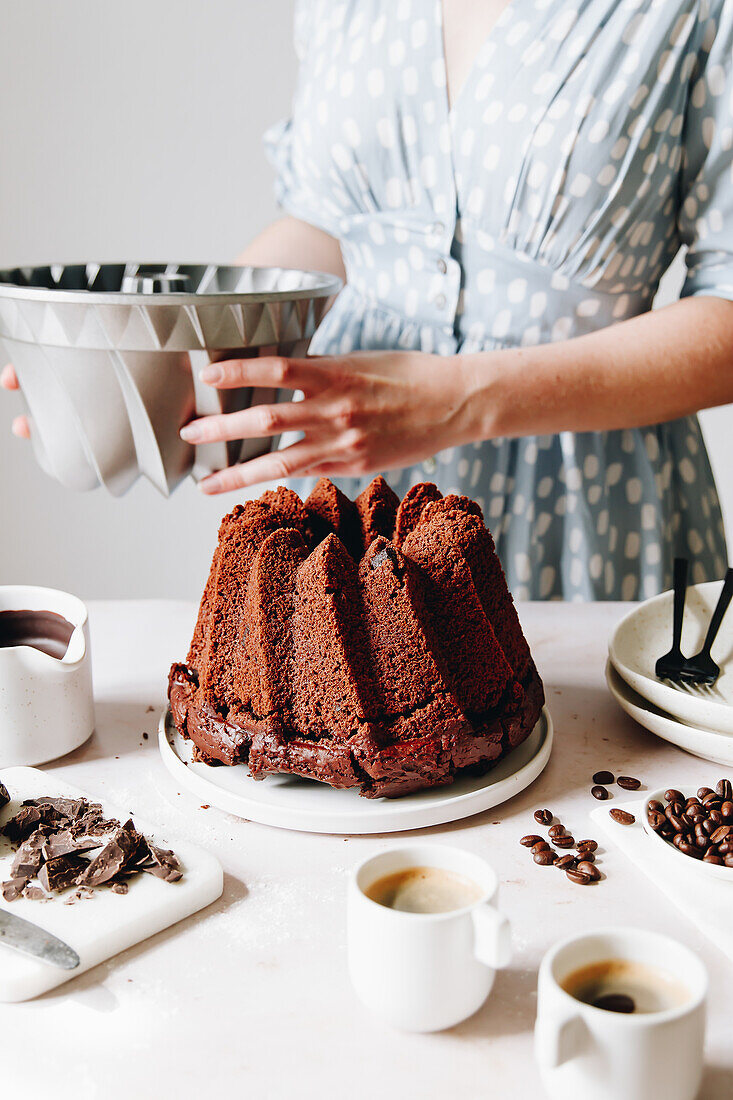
{"points": [[27, 860], [69, 840], [113, 857], [35, 893], [22, 824], [119, 887], [13, 888], [59, 874], [166, 865], [4, 796]]}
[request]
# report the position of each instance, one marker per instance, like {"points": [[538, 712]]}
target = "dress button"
{"points": [[442, 266], [440, 301]]}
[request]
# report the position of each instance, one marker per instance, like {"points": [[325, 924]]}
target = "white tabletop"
{"points": [[252, 994]]}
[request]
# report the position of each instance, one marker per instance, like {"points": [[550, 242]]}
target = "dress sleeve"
{"points": [[299, 187], [706, 213]]}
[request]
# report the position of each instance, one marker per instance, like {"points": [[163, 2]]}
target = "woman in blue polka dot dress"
{"points": [[502, 186]]}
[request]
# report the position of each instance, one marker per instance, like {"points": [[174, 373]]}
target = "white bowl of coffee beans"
{"points": [[697, 826]]}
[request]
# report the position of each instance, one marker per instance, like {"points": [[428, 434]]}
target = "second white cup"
{"points": [[425, 971]]}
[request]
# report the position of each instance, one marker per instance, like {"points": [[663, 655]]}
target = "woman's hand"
{"points": [[9, 381], [361, 413]]}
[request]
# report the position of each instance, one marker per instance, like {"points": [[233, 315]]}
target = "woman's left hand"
{"points": [[360, 413]]}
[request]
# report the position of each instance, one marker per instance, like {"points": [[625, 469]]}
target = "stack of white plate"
{"points": [[697, 719]]}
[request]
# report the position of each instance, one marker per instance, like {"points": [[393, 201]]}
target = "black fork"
{"points": [[702, 669], [670, 666]]}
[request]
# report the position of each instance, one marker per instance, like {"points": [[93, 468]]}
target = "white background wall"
{"points": [[131, 130]]}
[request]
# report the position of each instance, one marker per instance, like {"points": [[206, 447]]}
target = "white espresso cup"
{"points": [[46, 705], [588, 1053], [425, 971]]}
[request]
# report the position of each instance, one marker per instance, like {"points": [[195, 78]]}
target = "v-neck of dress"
{"points": [[452, 104]]}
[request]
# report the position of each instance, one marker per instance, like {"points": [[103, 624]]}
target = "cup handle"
{"points": [[559, 1039], [492, 937]]}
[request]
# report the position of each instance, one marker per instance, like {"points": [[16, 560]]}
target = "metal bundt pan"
{"points": [[108, 355]]}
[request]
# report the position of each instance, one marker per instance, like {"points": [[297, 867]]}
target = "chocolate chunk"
{"points": [[166, 865], [119, 887], [22, 824], [27, 860], [13, 888], [70, 840], [59, 874], [4, 796], [35, 893]]}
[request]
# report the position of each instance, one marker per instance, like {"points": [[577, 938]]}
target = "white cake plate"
{"points": [[289, 802]]}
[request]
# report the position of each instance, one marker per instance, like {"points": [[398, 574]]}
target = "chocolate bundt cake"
{"points": [[369, 643]]}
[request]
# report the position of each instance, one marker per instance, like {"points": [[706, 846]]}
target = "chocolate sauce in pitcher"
{"points": [[43, 630]]}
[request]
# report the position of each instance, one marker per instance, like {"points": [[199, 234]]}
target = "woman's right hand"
{"points": [[9, 381]]}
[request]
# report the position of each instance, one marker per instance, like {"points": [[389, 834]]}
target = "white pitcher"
{"points": [[46, 705]]}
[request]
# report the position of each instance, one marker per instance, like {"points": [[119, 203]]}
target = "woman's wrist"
{"points": [[485, 381]]}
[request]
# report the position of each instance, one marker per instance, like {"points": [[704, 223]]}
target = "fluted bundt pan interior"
{"points": [[108, 355], [370, 644]]}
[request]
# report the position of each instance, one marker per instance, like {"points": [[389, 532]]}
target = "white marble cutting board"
{"points": [[100, 926]]}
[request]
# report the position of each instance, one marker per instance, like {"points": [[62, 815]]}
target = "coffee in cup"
{"points": [[424, 890], [625, 985]]}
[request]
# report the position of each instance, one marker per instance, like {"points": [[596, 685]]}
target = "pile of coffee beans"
{"points": [[578, 865], [700, 826], [602, 781]]}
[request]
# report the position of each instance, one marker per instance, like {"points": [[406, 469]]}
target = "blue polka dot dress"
{"points": [[591, 140]]}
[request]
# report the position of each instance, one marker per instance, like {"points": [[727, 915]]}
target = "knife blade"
{"points": [[31, 940]]}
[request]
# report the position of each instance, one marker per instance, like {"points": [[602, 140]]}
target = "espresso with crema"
{"points": [[624, 985], [424, 890]]}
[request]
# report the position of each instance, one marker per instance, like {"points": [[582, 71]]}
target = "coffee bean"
{"points": [[725, 848], [600, 793], [673, 795], [566, 861], [628, 782], [564, 841], [677, 823], [712, 800], [708, 826], [545, 858], [727, 811], [588, 868], [656, 820], [724, 789], [557, 830], [587, 845], [579, 877], [543, 817], [623, 817], [716, 816], [710, 857], [530, 839], [603, 777], [728, 860], [655, 804], [540, 846], [589, 856], [615, 1002], [678, 839], [702, 792], [688, 849], [721, 833], [692, 801]]}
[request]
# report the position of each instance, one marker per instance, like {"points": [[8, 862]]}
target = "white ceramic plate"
{"points": [[289, 802], [645, 634], [717, 747], [695, 866]]}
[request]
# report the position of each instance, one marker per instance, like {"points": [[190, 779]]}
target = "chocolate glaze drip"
{"points": [[43, 630]]}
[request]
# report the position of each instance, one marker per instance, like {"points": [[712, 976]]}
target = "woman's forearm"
{"points": [[656, 367], [290, 242]]}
